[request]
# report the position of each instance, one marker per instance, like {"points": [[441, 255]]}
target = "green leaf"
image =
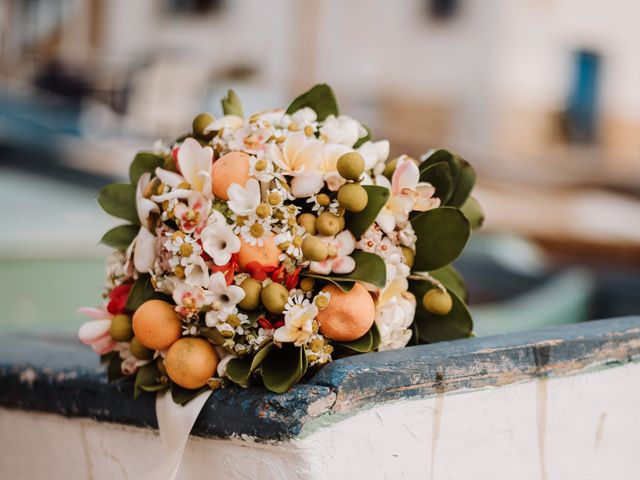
{"points": [[376, 336], [119, 200], [442, 234], [358, 223], [239, 369], [147, 375], [142, 163], [436, 328], [283, 367], [142, 291], [451, 279], [231, 104], [439, 175], [370, 268], [465, 181], [320, 99], [114, 370], [474, 212], [441, 155], [363, 344], [120, 237], [182, 396], [364, 139], [154, 388]]}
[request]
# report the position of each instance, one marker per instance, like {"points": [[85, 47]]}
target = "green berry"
{"points": [[314, 249], [308, 222], [121, 328], [353, 197], [140, 351], [351, 165], [437, 301], [252, 289], [328, 224], [274, 297], [202, 121]]}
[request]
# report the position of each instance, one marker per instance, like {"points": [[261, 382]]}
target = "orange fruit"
{"points": [[349, 315], [190, 362], [267, 255], [230, 168], [156, 324]]}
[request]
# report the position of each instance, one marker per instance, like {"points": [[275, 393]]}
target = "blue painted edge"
{"points": [[65, 377]]}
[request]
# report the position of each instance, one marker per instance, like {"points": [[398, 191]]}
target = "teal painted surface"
{"points": [[43, 295]]}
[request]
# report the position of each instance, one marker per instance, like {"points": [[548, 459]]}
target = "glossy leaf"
{"points": [[142, 291], [370, 268], [142, 163], [320, 99], [182, 396], [439, 175], [451, 279], [358, 223], [119, 200], [474, 212], [442, 234], [231, 104], [239, 370], [114, 370], [375, 333], [147, 375], [283, 367], [465, 181], [436, 328], [440, 155], [363, 344], [120, 237]]}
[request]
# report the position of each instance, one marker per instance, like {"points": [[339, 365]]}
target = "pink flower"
{"points": [[340, 262], [193, 215], [95, 333]]}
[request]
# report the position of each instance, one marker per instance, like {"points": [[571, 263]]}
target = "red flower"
{"points": [[258, 271], [292, 279], [118, 299], [229, 269]]}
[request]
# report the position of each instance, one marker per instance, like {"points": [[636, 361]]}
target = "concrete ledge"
{"points": [[65, 378]]}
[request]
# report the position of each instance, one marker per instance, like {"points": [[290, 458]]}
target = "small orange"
{"points": [[156, 324], [267, 255], [230, 168], [349, 315], [190, 362]]}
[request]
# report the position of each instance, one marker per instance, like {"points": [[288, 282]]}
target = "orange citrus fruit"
{"points": [[190, 362], [230, 168], [156, 324], [349, 315], [267, 255]]}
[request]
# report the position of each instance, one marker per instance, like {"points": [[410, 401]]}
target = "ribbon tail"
{"points": [[175, 423]]}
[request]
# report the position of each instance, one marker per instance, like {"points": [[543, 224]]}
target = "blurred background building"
{"points": [[540, 95]]}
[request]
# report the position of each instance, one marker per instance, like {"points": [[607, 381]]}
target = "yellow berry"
{"points": [[274, 297], [314, 249], [353, 197], [437, 301], [350, 165], [252, 289], [328, 224], [308, 222]]}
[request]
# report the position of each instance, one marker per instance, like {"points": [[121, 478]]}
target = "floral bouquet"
{"points": [[259, 249]]}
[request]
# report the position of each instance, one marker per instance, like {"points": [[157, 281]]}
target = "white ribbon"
{"points": [[175, 423]]}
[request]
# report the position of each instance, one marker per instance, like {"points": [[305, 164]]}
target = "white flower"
{"points": [[244, 200], [218, 239], [394, 319], [192, 215], [261, 168], [196, 272], [374, 153], [254, 230], [144, 252], [301, 158], [344, 243], [305, 117], [298, 324], [195, 164], [342, 129], [144, 206], [231, 122], [189, 298], [221, 296], [407, 194]]}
